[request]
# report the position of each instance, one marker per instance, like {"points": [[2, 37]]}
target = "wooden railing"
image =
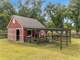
{"points": [[60, 38]]}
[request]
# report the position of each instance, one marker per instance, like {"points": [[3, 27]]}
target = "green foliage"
{"points": [[6, 11], [4, 19], [74, 13], [68, 26], [34, 12], [57, 14], [24, 11], [8, 8], [50, 24]]}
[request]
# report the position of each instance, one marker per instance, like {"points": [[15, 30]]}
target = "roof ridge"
{"points": [[24, 17]]}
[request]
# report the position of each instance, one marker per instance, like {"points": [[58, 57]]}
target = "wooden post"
{"points": [[70, 36], [31, 37], [52, 36], [38, 38], [46, 36], [67, 37], [61, 40]]}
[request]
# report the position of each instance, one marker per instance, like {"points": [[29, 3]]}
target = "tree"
{"points": [[35, 11], [8, 8], [24, 11], [74, 13], [4, 19], [5, 13], [57, 14]]}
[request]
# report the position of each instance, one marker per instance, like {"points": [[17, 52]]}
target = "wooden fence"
{"points": [[3, 34], [63, 37]]}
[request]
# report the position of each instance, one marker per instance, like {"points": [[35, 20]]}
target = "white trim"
{"points": [[14, 28], [19, 23], [10, 21], [10, 35], [21, 34], [15, 20], [29, 29]]}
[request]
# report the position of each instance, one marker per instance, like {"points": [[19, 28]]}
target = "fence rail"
{"points": [[3, 34]]}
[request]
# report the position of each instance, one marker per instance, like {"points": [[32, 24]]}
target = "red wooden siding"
{"points": [[25, 33], [12, 27]]}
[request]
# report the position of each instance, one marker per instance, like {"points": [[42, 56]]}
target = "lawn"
{"points": [[25, 51]]}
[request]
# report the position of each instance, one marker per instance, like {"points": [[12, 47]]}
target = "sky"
{"points": [[64, 2], [46, 2]]}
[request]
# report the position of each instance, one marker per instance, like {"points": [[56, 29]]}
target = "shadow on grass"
{"points": [[73, 49], [48, 46], [70, 50]]}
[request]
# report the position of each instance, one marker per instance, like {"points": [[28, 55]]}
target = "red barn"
{"points": [[19, 27]]}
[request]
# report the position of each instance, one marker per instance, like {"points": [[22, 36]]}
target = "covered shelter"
{"points": [[19, 28], [28, 29]]}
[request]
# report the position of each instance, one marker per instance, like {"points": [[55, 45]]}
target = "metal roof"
{"points": [[28, 22]]}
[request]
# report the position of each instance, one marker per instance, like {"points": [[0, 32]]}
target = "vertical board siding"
{"points": [[12, 31]]}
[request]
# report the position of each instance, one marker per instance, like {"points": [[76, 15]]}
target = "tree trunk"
{"points": [[77, 30]]}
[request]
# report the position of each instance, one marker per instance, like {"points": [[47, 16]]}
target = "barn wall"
{"points": [[12, 34], [21, 35], [12, 27], [25, 33]]}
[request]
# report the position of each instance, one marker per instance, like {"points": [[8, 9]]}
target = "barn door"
{"points": [[17, 35]]}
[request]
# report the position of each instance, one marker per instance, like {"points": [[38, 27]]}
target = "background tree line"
{"points": [[52, 15]]}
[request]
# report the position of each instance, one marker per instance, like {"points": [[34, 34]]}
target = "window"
{"points": [[29, 32]]}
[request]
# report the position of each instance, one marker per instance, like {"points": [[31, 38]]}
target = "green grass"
{"points": [[25, 51]]}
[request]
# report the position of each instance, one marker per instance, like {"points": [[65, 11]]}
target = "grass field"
{"points": [[25, 51]]}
